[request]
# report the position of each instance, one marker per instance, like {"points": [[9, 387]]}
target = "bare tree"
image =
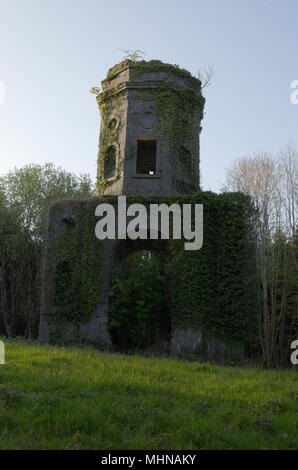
{"points": [[205, 75], [288, 189], [272, 184]]}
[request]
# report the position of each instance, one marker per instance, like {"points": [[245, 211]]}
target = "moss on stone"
{"points": [[144, 66], [178, 108]]}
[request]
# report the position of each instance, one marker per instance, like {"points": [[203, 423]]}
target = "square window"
{"points": [[146, 157]]}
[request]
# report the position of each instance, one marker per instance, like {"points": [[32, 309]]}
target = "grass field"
{"points": [[58, 398]]}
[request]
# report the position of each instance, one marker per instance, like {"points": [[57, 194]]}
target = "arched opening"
{"points": [[138, 308], [110, 162]]}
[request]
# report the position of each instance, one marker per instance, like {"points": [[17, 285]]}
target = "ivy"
{"points": [[78, 273], [178, 110], [144, 66], [213, 288], [108, 101]]}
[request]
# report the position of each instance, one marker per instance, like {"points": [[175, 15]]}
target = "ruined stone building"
{"points": [[149, 150]]}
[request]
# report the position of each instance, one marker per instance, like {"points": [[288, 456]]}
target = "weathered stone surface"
{"points": [[95, 329], [137, 117], [134, 117], [193, 342]]}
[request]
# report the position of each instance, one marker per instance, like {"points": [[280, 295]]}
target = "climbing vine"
{"points": [[180, 111], [78, 273], [109, 101], [213, 288], [144, 66]]}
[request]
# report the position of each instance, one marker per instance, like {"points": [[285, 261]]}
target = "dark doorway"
{"points": [[138, 313]]}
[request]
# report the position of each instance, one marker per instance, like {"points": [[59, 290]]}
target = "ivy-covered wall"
{"points": [[112, 107], [180, 112], [77, 256], [213, 288]]}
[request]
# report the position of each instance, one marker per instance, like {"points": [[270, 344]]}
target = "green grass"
{"points": [[58, 398]]}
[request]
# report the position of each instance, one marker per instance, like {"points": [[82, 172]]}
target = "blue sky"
{"points": [[53, 51]]}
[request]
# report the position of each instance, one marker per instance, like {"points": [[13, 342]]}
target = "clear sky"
{"points": [[53, 51]]}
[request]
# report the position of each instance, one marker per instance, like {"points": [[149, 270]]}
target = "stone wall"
{"points": [[185, 341]]}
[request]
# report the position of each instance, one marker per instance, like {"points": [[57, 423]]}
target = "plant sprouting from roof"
{"points": [[95, 90], [133, 55]]}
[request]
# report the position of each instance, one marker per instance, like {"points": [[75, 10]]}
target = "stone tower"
{"points": [[149, 145], [150, 126]]}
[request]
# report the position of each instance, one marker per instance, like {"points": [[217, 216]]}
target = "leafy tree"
{"points": [[31, 190], [25, 197]]}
